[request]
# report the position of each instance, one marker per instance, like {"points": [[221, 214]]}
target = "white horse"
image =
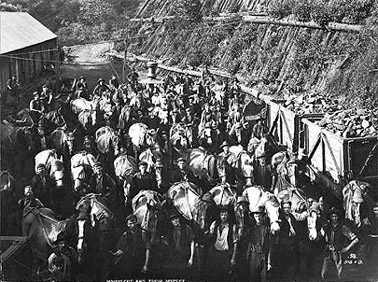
{"points": [[257, 197], [54, 165]]}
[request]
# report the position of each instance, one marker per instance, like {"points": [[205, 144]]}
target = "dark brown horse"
{"points": [[41, 228], [16, 139]]}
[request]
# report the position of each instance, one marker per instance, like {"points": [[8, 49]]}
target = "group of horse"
{"points": [[89, 226]]}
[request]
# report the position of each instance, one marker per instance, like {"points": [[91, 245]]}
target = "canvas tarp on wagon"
{"points": [[341, 158]]}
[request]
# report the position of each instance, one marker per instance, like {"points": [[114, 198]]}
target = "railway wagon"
{"points": [[341, 159], [16, 259], [285, 125], [331, 159]]}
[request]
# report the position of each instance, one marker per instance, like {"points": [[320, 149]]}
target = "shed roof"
{"points": [[20, 30]]}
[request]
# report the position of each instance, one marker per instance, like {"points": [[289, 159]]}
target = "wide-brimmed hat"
{"points": [[97, 165], [35, 93], [131, 217], [41, 166], [181, 159], [159, 164], [100, 79], [224, 144]]}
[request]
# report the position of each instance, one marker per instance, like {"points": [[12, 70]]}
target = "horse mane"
{"points": [[95, 199]]}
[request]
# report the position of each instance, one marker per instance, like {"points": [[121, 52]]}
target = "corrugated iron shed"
{"points": [[20, 30]]}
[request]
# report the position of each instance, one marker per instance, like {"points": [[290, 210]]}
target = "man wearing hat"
{"points": [[263, 173], [182, 173], [80, 84], [69, 256], [47, 98], [37, 108], [260, 245], [142, 180], [152, 120], [29, 201], [223, 236], [180, 240], [102, 183], [100, 88], [340, 239], [133, 250], [227, 158], [41, 185], [113, 82], [133, 78], [13, 87], [259, 129], [160, 172], [89, 147], [126, 147], [287, 255]]}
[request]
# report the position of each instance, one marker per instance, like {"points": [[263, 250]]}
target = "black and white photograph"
{"points": [[189, 140]]}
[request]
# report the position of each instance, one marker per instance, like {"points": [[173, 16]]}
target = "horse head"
{"points": [[57, 118], [7, 182], [312, 221], [69, 140], [257, 197], [241, 210], [28, 138], [78, 176], [246, 167], [147, 206], [201, 211], [57, 171], [262, 147]]}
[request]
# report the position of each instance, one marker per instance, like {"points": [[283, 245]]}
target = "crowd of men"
{"points": [[231, 256]]}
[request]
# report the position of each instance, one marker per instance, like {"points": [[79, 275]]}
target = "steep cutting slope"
{"points": [[287, 59]]}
